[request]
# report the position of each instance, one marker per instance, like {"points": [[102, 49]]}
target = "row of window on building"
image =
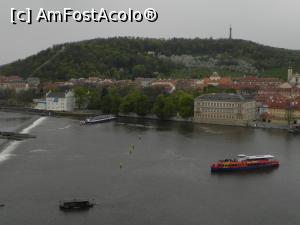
{"points": [[218, 110], [217, 116], [218, 104]]}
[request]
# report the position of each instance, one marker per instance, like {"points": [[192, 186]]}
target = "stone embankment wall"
{"points": [[154, 117]]}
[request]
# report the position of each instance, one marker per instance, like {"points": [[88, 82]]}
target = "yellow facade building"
{"points": [[224, 108]]}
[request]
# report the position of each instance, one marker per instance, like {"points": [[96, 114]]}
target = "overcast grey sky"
{"points": [[270, 22]]}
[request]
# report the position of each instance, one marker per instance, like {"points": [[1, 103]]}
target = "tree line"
{"points": [[127, 58], [18, 98], [133, 100]]}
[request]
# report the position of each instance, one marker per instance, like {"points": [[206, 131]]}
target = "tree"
{"points": [[135, 102], [152, 92], [94, 99], [164, 106], [139, 70], [125, 58], [116, 100], [26, 96], [169, 107], [7, 94], [127, 104], [186, 105], [110, 101], [158, 107], [141, 105], [106, 104], [81, 98]]}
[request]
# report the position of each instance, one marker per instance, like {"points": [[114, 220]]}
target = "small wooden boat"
{"points": [[75, 204]]}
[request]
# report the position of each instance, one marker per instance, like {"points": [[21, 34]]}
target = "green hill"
{"points": [[126, 58]]}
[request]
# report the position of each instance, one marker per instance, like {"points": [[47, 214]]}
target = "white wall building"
{"points": [[60, 101], [57, 101]]}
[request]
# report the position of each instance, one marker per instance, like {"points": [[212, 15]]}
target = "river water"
{"points": [[165, 180]]}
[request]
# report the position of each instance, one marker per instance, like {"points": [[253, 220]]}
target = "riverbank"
{"points": [[255, 124], [154, 117], [265, 125], [81, 114]]}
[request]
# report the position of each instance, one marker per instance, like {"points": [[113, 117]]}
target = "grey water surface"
{"points": [[165, 180]]}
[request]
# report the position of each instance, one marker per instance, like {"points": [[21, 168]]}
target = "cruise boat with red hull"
{"points": [[245, 163]]}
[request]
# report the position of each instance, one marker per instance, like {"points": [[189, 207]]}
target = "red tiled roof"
{"points": [[278, 101], [257, 79]]}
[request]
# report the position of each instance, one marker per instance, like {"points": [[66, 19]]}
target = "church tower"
{"points": [[230, 32]]}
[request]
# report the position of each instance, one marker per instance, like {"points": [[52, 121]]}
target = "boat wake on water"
{"points": [[211, 131], [136, 125], [7, 152], [38, 150], [65, 127]]}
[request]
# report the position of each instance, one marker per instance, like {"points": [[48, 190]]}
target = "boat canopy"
{"points": [[254, 157]]}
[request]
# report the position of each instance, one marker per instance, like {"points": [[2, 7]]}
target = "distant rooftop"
{"points": [[56, 95], [223, 97]]}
